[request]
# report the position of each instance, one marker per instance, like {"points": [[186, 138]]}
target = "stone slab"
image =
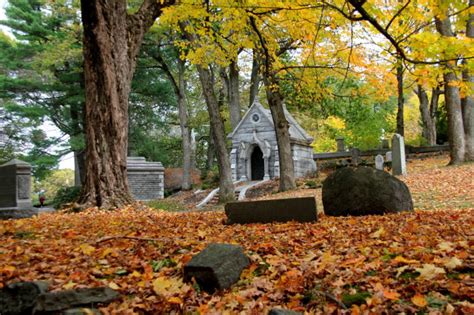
{"points": [[60, 300], [267, 211], [217, 267], [17, 213]]}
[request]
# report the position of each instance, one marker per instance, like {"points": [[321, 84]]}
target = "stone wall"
{"points": [[303, 160], [15, 190], [146, 179]]}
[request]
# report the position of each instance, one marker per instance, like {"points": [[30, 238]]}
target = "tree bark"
{"points": [[401, 99], [467, 102], [226, 187], [453, 102], [234, 94], [179, 87], [185, 130], [254, 78], [275, 102], [428, 112], [210, 149], [112, 39]]}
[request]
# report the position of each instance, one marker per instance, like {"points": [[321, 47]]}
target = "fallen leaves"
{"points": [[429, 272], [395, 263], [419, 300]]}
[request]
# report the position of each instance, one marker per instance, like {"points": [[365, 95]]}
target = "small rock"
{"points": [[81, 311], [280, 311], [218, 266], [19, 298], [61, 300]]}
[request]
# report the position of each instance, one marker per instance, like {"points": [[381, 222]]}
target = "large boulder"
{"points": [[364, 191]]}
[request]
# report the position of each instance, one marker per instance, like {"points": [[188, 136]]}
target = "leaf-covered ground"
{"points": [[410, 262]]}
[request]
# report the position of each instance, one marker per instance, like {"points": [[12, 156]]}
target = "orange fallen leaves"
{"points": [[419, 300], [303, 266]]}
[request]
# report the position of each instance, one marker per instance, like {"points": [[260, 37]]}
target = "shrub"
{"points": [[65, 195]]}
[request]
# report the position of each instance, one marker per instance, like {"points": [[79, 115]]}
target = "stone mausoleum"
{"points": [[254, 154]]}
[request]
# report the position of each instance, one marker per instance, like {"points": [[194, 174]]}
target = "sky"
{"points": [[68, 160]]}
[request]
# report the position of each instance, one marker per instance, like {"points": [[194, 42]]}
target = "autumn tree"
{"points": [[112, 39], [447, 50]]}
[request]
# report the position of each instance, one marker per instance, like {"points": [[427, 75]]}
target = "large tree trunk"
{"points": [[428, 113], [112, 39], [401, 99], [468, 101], [226, 187], [453, 102], [254, 78], [234, 94]]}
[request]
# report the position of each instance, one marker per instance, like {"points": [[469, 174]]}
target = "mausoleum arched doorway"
{"points": [[257, 164]]}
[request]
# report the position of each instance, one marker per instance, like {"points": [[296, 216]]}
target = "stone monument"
{"points": [[341, 146], [398, 155], [379, 162], [254, 154], [15, 190], [145, 179]]}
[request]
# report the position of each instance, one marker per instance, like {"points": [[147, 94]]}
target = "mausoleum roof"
{"points": [[296, 131]]}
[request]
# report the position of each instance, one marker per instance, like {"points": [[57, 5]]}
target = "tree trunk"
{"points": [[428, 113], [112, 39], [275, 101], [226, 187], [453, 102], [468, 101], [401, 99], [234, 94], [210, 149], [282, 130], [254, 78], [184, 125]]}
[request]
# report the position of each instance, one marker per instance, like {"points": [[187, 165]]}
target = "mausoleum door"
{"points": [[257, 164]]}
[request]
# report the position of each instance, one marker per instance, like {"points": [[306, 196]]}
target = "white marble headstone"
{"points": [[379, 162], [398, 156]]}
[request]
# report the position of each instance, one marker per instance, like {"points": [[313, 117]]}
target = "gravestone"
{"points": [[146, 179], [398, 155], [385, 144], [355, 157], [388, 156], [15, 190], [364, 191], [341, 147], [218, 266], [267, 211], [379, 162]]}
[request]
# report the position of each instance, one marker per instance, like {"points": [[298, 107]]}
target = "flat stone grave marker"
{"points": [[276, 210], [217, 267], [379, 162]]}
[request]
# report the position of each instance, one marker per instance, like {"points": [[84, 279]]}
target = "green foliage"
{"points": [[356, 298], [65, 195], [56, 180], [352, 113]]}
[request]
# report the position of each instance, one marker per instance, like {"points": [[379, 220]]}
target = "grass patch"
{"points": [[167, 205]]}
